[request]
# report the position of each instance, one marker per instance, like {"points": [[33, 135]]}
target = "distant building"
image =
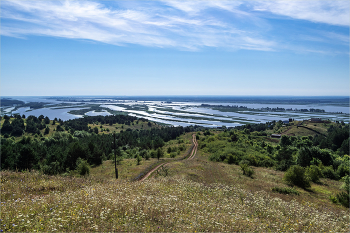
{"points": [[286, 122], [276, 135]]}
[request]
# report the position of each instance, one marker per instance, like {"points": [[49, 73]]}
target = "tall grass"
{"points": [[162, 204]]}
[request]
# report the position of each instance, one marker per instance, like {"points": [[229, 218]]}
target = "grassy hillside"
{"points": [[294, 129], [207, 193], [196, 195], [223, 200]]}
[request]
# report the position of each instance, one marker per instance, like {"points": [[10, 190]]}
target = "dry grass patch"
{"points": [[19, 185], [165, 204], [319, 127], [207, 172], [300, 131], [128, 169]]}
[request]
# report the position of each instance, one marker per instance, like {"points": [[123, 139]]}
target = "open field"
{"points": [[174, 203], [294, 130]]}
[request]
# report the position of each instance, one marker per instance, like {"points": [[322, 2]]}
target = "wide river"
{"points": [[179, 113]]}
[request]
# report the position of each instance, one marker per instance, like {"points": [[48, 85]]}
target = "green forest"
{"points": [[74, 139]]}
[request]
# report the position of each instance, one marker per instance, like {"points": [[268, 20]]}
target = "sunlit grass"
{"points": [[161, 204], [197, 196]]}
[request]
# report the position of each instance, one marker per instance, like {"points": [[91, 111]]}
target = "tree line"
{"points": [[61, 151]]}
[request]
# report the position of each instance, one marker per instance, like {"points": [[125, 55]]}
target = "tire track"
{"points": [[192, 155], [194, 150]]}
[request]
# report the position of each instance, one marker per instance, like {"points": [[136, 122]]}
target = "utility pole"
{"points": [[115, 157]]}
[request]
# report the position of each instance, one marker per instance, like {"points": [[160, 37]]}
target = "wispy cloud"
{"points": [[189, 25], [335, 12]]}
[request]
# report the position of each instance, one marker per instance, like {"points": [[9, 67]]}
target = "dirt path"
{"points": [[153, 170], [194, 150], [193, 153]]}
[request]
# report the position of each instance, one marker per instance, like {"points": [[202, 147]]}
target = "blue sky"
{"points": [[167, 47]]}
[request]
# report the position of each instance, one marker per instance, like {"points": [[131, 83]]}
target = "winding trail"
{"points": [[194, 150], [192, 155], [153, 170]]}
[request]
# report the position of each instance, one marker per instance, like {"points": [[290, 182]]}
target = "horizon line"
{"points": [[174, 96]]}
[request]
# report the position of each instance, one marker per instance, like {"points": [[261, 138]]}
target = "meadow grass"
{"points": [[197, 195], [299, 131], [293, 130], [157, 204]]}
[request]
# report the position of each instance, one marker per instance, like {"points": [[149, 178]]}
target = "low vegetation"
{"points": [[295, 175], [285, 190], [162, 204], [239, 180], [246, 169]]}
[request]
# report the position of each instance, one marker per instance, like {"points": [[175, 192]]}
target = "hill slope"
{"points": [[42, 203]]}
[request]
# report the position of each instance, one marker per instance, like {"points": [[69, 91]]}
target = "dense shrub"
{"points": [[231, 159], [147, 156], [284, 157], [51, 169], [328, 172], [247, 170], [81, 134], [214, 158], [333, 199], [83, 167], [314, 173], [295, 175], [343, 198], [346, 184], [138, 159], [285, 190], [343, 168], [307, 154]]}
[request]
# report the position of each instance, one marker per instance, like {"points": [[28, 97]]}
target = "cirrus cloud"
{"points": [[186, 25]]}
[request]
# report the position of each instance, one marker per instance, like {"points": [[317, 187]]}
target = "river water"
{"points": [[181, 113]]}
